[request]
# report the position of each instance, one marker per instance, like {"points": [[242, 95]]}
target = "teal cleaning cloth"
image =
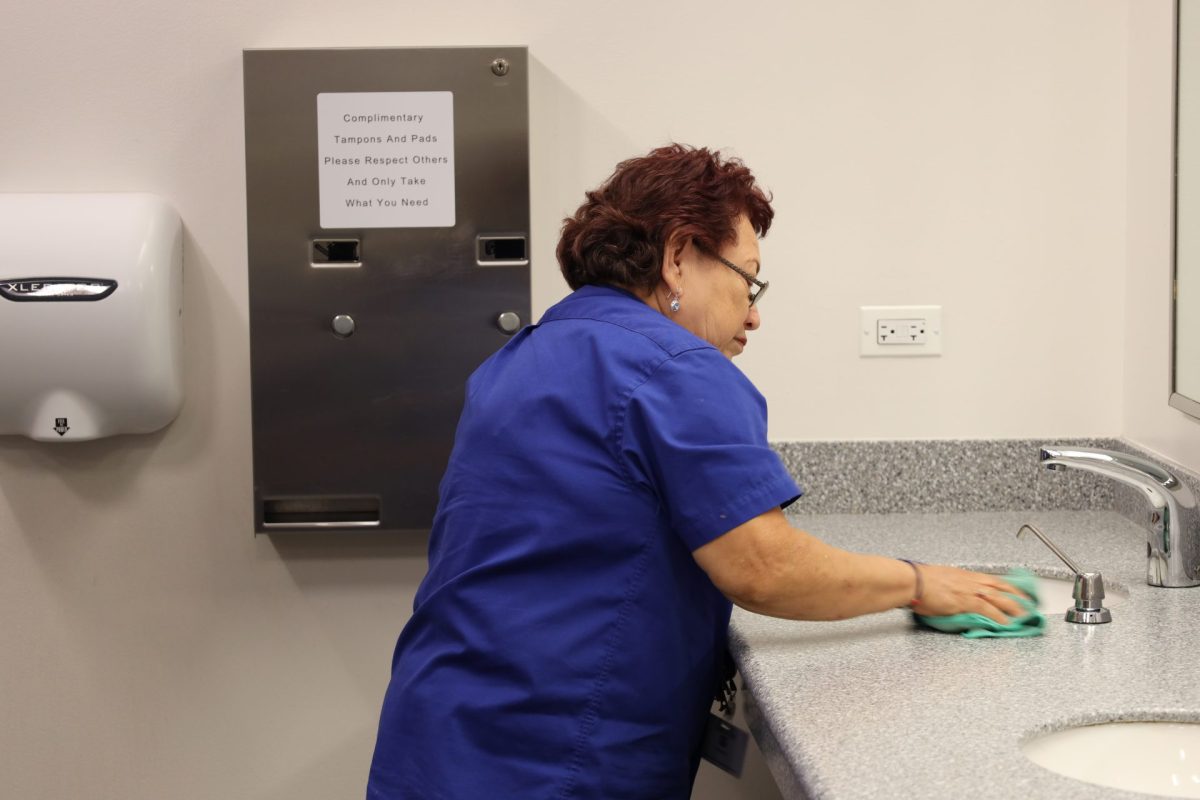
{"points": [[977, 626]]}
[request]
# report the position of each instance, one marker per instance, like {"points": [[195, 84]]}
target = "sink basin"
{"points": [[1157, 758]]}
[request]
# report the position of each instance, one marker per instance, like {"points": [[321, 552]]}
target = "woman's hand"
{"points": [[949, 590]]}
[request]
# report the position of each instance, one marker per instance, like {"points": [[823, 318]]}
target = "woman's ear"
{"points": [[672, 264]]}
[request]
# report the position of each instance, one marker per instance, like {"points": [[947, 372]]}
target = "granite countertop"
{"points": [[874, 707]]}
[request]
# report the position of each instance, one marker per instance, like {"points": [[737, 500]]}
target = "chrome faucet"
{"points": [[1173, 544]]}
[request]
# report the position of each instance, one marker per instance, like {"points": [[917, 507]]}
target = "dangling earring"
{"points": [[674, 303]]}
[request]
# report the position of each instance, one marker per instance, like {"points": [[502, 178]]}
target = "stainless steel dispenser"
{"points": [[388, 219]]}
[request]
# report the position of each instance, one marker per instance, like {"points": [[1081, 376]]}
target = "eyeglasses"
{"points": [[759, 288]]}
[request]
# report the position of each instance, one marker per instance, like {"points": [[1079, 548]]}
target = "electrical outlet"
{"points": [[900, 330]]}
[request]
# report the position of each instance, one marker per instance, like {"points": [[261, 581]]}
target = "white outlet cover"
{"points": [[869, 317]]}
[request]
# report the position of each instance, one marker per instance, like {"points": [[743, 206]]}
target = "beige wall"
{"points": [[962, 154], [1004, 160]]}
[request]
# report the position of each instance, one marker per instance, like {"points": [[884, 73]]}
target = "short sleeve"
{"points": [[695, 433]]}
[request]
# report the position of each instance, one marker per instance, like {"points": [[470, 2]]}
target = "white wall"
{"points": [[963, 154], [967, 153]]}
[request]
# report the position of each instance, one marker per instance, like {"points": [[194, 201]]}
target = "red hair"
{"points": [[618, 236]]}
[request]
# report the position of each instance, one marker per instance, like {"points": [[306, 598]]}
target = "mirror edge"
{"points": [[1175, 399], [1184, 404]]}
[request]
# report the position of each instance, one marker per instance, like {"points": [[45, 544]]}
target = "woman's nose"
{"points": [[753, 320]]}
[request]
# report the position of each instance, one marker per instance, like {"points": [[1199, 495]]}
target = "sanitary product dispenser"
{"points": [[91, 306], [388, 235]]}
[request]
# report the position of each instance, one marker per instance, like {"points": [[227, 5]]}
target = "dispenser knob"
{"points": [[509, 322], [343, 325]]}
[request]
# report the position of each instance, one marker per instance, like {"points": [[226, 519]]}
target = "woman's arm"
{"points": [[767, 566]]}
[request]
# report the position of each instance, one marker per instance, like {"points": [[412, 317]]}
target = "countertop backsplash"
{"points": [[948, 476]]}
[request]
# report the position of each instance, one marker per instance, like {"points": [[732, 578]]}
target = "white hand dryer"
{"points": [[91, 315]]}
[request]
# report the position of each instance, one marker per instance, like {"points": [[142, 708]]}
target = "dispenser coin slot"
{"points": [[501, 251], [335, 253]]}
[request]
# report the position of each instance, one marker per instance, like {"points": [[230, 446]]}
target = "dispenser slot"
{"points": [[507, 250], [335, 253], [296, 513]]}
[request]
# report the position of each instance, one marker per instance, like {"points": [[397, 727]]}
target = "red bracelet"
{"points": [[916, 601]]}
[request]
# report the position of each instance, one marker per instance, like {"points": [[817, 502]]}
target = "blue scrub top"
{"points": [[564, 643]]}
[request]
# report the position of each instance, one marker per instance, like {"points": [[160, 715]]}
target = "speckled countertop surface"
{"points": [[875, 708]]}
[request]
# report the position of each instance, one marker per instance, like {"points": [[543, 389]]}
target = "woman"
{"points": [[610, 491]]}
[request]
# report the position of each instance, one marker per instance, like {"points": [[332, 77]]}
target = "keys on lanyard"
{"points": [[725, 743]]}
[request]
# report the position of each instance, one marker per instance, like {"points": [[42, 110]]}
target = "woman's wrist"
{"points": [[919, 590]]}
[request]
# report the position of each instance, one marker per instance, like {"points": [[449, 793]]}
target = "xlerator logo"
{"points": [[25, 290]]}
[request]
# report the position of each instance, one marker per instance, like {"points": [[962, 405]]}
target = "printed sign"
{"points": [[386, 159]]}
